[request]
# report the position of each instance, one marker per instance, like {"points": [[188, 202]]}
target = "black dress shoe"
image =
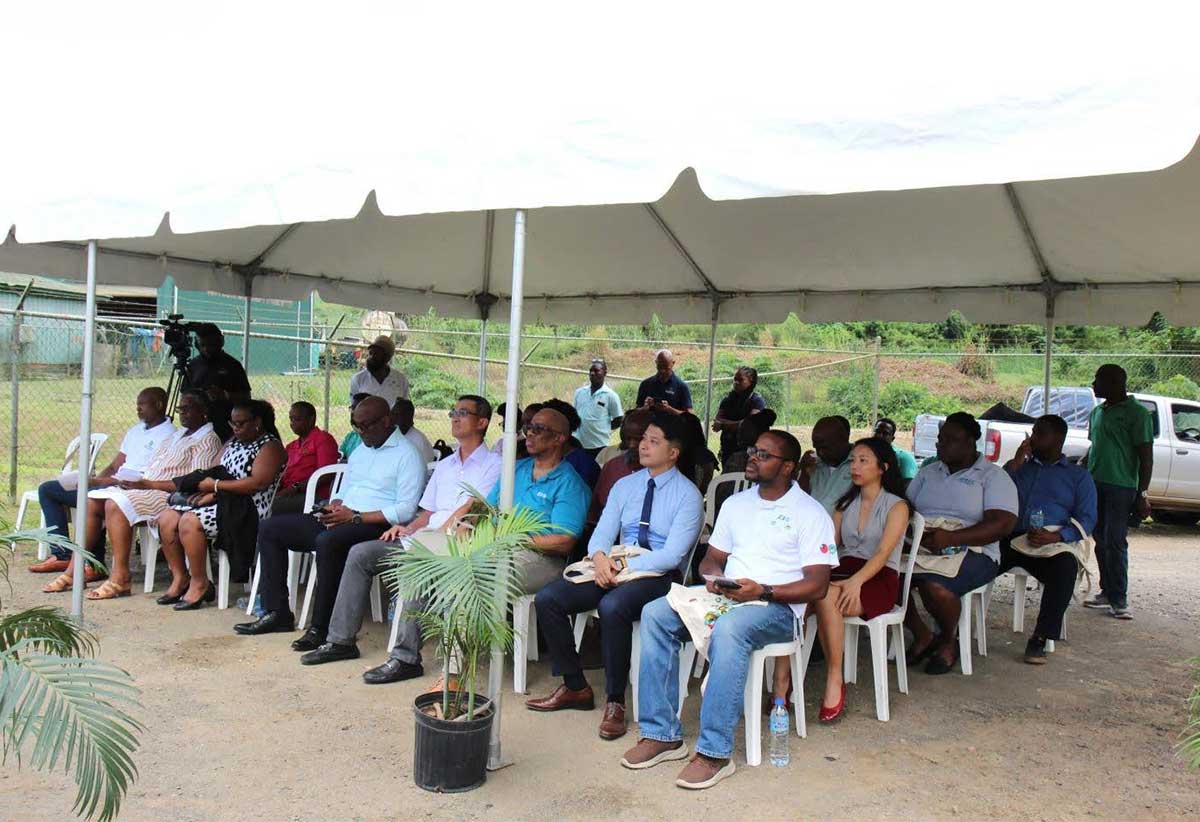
{"points": [[272, 622], [169, 599], [210, 594], [311, 641], [329, 652], [392, 671]]}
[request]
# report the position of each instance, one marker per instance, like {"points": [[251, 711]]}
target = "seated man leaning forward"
{"points": [[444, 502], [384, 480], [1052, 492], [776, 542], [656, 508], [825, 471]]}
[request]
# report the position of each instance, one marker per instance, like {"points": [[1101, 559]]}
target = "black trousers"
{"points": [[303, 532], [618, 607], [291, 504], [1057, 574]]}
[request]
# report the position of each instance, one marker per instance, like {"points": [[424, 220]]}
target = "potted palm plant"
{"points": [[467, 590], [59, 706]]}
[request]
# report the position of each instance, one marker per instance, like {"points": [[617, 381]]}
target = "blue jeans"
{"points": [[57, 504], [736, 635], [1114, 504]]}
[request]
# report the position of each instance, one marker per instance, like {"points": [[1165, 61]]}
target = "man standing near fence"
{"points": [[215, 368], [599, 409], [665, 391], [1121, 460], [377, 376]]}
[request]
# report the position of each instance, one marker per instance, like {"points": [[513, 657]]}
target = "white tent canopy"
{"points": [[1120, 246]]}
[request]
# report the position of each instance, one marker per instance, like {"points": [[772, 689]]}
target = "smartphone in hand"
{"points": [[724, 582]]}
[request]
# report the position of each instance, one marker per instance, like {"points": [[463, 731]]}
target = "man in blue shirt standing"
{"points": [[384, 480], [664, 391], [1052, 493], [599, 409], [656, 508]]}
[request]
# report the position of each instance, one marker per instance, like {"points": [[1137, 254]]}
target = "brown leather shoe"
{"points": [[564, 698], [613, 725], [650, 752], [53, 565]]}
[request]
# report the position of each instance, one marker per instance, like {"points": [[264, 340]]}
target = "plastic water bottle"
{"points": [[242, 602], [391, 612], [1037, 518], [780, 756]]}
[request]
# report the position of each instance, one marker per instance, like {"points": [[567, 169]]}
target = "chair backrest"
{"points": [[337, 471], [95, 444], [739, 482], [916, 527], [691, 558]]}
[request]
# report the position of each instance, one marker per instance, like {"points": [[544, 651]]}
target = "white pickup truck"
{"points": [[1175, 482], [1000, 440]]}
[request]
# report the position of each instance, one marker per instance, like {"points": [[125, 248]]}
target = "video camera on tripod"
{"points": [[178, 337]]}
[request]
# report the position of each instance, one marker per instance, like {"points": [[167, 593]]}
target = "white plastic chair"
{"points": [[755, 679], [1020, 583], [96, 443], [877, 627], [739, 482], [525, 647], [338, 472], [973, 603]]}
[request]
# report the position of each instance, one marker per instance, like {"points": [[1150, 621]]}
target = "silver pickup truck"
{"points": [[1175, 482]]}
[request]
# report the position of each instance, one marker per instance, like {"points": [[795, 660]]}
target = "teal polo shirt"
{"points": [[560, 496], [597, 410]]}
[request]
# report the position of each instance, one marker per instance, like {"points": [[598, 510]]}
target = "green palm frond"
{"points": [[468, 588], [47, 630], [73, 711], [1189, 746]]}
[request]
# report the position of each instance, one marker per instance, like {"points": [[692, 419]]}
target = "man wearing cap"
{"points": [[599, 409], [378, 378]]}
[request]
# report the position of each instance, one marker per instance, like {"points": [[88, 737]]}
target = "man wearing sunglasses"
{"points": [[547, 484], [656, 508], [444, 502], [776, 545], [384, 480]]}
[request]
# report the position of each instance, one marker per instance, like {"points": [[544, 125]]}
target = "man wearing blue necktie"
{"points": [[656, 508]]}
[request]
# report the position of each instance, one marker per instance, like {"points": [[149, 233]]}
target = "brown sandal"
{"points": [[62, 582], [109, 590]]}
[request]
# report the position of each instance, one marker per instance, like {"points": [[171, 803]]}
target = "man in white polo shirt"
{"points": [[377, 377], [777, 544], [599, 409], [443, 502]]}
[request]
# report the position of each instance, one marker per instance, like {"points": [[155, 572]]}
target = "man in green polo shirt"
{"points": [[825, 470], [1120, 461]]}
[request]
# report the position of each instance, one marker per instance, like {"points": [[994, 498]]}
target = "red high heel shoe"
{"points": [[832, 714]]}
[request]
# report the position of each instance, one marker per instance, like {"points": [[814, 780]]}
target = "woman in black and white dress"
{"points": [[254, 459]]}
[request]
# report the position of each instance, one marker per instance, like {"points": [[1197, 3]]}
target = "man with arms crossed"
{"points": [[777, 543]]}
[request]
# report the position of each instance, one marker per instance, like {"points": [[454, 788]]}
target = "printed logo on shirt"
{"points": [[782, 521], [967, 481], [829, 549]]}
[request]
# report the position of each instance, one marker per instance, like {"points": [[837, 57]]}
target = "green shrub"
{"points": [[1177, 386], [433, 387], [851, 396], [903, 401]]}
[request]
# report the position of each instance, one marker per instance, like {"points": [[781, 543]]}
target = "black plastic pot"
{"points": [[450, 757]]}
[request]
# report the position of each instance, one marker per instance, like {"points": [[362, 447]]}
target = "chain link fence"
{"points": [[40, 376]]}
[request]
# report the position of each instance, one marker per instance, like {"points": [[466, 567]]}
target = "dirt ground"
{"points": [[237, 730]]}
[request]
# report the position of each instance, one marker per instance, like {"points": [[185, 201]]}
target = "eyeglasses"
{"points": [[754, 452], [460, 413], [365, 425], [538, 429]]}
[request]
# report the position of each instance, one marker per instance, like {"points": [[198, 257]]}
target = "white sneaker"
{"points": [[1119, 612]]}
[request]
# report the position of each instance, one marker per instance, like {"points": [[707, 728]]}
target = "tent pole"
{"points": [[507, 472], [85, 430], [1049, 352], [712, 357], [482, 384], [246, 322]]}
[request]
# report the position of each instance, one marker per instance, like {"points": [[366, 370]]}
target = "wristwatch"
{"points": [[768, 594], [357, 518]]}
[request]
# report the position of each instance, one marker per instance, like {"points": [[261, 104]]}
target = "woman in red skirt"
{"points": [[870, 520]]}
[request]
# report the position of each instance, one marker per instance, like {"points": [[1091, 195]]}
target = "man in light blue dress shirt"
{"points": [[656, 508], [599, 409], [384, 480]]}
